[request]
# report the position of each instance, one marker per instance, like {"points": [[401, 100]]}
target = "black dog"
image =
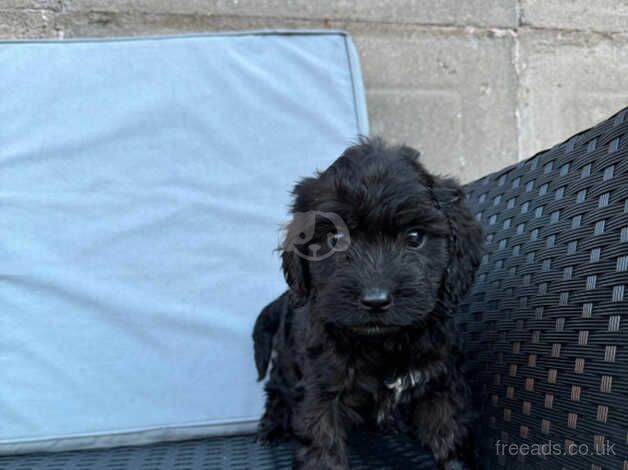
{"points": [[377, 256]]}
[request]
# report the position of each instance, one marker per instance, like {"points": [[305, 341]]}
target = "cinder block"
{"points": [[500, 13], [568, 83], [30, 4], [451, 95], [22, 24], [595, 15]]}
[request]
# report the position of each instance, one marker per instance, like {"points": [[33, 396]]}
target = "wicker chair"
{"points": [[545, 328], [546, 325]]}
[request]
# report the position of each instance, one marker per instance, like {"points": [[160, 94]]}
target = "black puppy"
{"points": [[377, 256]]}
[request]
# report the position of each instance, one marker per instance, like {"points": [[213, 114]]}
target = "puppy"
{"points": [[377, 256]]}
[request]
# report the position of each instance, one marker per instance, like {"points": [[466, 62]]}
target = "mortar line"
{"points": [[469, 28], [516, 62]]}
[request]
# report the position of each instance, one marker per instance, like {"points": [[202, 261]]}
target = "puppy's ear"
{"points": [[465, 240], [294, 267]]}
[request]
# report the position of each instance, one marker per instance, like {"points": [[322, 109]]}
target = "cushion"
{"points": [[143, 184]]}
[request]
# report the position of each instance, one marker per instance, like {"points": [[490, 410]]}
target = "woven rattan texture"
{"points": [[368, 451], [546, 325]]}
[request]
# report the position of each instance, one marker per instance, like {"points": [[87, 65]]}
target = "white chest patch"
{"points": [[404, 382], [412, 379]]}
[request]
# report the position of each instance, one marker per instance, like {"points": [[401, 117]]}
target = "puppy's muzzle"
{"points": [[376, 299]]}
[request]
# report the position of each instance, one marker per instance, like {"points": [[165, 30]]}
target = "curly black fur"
{"points": [[341, 361]]}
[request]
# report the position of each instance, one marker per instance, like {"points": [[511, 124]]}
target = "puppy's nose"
{"points": [[376, 299]]}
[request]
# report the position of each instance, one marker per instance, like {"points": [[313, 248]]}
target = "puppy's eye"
{"points": [[415, 238], [337, 239]]}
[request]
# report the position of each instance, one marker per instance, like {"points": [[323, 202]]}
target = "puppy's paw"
{"points": [[319, 464], [454, 465], [308, 457]]}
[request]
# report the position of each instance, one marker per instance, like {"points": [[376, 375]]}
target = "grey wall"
{"points": [[474, 84]]}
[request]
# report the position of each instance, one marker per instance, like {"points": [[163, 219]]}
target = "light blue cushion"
{"points": [[143, 183]]}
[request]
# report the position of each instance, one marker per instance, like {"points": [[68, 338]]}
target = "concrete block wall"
{"points": [[473, 84]]}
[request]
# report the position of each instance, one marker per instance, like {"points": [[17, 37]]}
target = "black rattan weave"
{"points": [[546, 325], [368, 451]]}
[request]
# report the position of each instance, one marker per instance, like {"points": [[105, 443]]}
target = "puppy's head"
{"points": [[376, 243]]}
